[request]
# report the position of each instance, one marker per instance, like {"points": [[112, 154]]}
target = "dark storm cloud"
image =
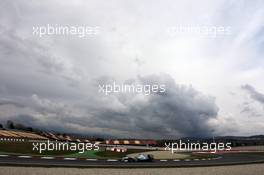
{"points": [[32, 121], [10, 103], [254, 94], [181, 111], [248, 107], [250, 111]]}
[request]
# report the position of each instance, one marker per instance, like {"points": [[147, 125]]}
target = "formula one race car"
{"points": [[138, 158]]}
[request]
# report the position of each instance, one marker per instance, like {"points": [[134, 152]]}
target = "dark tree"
{"points": [[29, 129], [10, 124], [19, 126]]}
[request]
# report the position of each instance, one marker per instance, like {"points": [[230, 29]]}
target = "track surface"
{"points": [[224, 159]]}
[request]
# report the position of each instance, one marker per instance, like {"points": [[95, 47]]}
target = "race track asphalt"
{"points": [[224, 159]]}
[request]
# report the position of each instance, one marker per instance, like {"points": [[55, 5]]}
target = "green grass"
{"points": [[87, 154]]}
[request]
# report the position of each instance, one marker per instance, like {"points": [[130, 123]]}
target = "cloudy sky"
{"points": [[214, 83]]}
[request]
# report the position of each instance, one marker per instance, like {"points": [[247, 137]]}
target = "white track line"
{"points": [[176, 160], [112, 160], [163, 160], [2, 155], [47, 157], [69, 158], [25, 157], [91, 159]]}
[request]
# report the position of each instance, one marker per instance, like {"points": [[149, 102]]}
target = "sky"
{"points": [[214, 82]]}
